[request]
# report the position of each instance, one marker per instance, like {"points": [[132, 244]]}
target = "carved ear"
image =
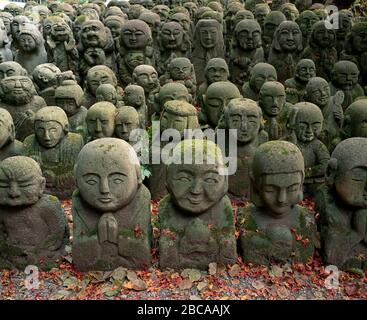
{"points": [[254, 194], [190, 98], [276, 44], [331, 170], [347, 129], [42, 185], [138, 174], [12, 132]]}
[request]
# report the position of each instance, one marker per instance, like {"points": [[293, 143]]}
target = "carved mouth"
{"points": [[195, 201], [105, 200]]}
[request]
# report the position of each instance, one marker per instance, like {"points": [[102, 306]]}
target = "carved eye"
{"points": [[118, 181], [293, 188], [210, 180], [184, 179], [91, 182]]}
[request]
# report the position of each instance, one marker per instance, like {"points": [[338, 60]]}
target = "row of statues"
{"points": [[82, 85]]}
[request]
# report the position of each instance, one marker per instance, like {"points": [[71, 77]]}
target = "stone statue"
{"points": [[246, 51], [251, 4], [344, 77], [7, 19], [115, 24], [356, 50], [306, 20], [303, 5], [5, 52], [17, 23], [276, 4], [196, 218], [135, 11], [286, 49], [9, 146], [295, 87], [181, 70], [111, 208], [101, 120], [275, 109], [11, 68], [260, 73], [321, 49], [185, 22], [239, 16], [31, 50], [96, 76], [261, 11], [217, 96], [127, 120], [275, 228], [55, 149], [33, 226], [153, 20], [318, 92], [162, 11], [173, 42], [271, 23], [136, 48], [244, 116], [97, 47], [61, 46], [14, 9], [304, 127], [208, 43], [290, 11], [134, 96], [342, 206], [107, 92], [77, 27], [68, 96], [17, 94]]}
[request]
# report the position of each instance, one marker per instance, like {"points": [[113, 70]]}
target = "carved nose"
{"points": [[46, 137], [282, 196], [104, 187], [98, 126], [196, 188], [14, 191]]}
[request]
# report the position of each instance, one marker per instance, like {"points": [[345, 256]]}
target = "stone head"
{"points": [[303, 5], [322, 36], [197, 186], [318, 91], [232, 9], [183, 20], [60, 30], [127, 120], [114, 11], [357, 38], [345, 19], [134, 95], [191, 8], [7, 19], [107, 174], [45, 75], [171, 35], [17, 24], [308, 121], [290, 11], [200, 12], [287, 37], [50, 126], [208, 33], [173, 91], [101, 120], [146, 76], [261, 73], [251, 4], [179, 115], [215, 6], [77, 25], [213, 15], [305, 70], [152, 19], [271, 23], [30, 39], [277, 174], [106, 92], [242, 15], [217, 96], [16, 90], [135, 34], [345, 75], [181, 69], [114, 23], [261, 11], [68, 96], [21, 182], [124, 6], [248, 34], [306, 20], [135, 11], [149, 4], [14, 9], [272, 98], [98, 75], [216, 70], [67, 9], [276, 4], [11, 68], [346, 173], [134, 58], [7, 129], [243, 115], [162, 11], [355, 119], [93, 34]]}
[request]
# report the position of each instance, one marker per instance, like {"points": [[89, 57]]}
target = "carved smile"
{"points": [[105, 200]]}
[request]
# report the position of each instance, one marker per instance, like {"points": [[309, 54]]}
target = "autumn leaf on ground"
{"points": [[192, 274], [234, 270], [185, 284], [212, 268]]}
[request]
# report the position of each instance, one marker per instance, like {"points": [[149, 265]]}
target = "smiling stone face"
{"points": [[171, 35], [272, 98], [135, 34], [309, 121]]}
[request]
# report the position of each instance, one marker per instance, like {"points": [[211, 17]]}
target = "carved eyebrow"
{"points": [[118, 173], [91, 175]]}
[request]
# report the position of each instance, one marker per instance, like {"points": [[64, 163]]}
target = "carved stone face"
{"points": [[13, 9], [248, 34], [182, 19], [208, 34], [17, 90], [16, 25], [180, 68], [134, 95], [26, 42], [216, 70], [134, 59], [60, 30], [171, 35], [322, 36], [306, 20], [244, 116], [97, 77], [162, 10], [69, 105], [106, 176], [357, 114], [318, 91], [135, 34], [101, 120], [152, 19], [289, 36], [359, 37], [6, 123], [174, 121], [173, 91], [305, 70], [345, 25], [147, 77], [345, 75], [309, 121], [272, 98], [10, 68], [44, 75], [126, 121], [115, 26], [276, 4], [7, 20], [261, 73], [191, 7], [106, 92], [93, 34], [21, 182], [217, 97], [261, 11], [271, 23], [290, 11], [242, 15], [48, 133]]}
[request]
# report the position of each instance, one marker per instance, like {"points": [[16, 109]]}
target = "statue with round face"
{"points": [[271, 22], [134, 96], [355, 120], [107, 92], [101, 120], [261, 11], [276, 4], [305, 21], [344, 77], [126, 121], [153, 20], [270, 227], [17, 23], [162, 11], [290, 11], [35, 228], [342, 206], [5, 52], [7, 19], [217, 96], [286, 49], [296, 86], [242, 15], [260, 73], [110, 204], [171, 91], [183, 20], [135, 34], [14, 9], [114, 23], [191, 8], [196, 201]]}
